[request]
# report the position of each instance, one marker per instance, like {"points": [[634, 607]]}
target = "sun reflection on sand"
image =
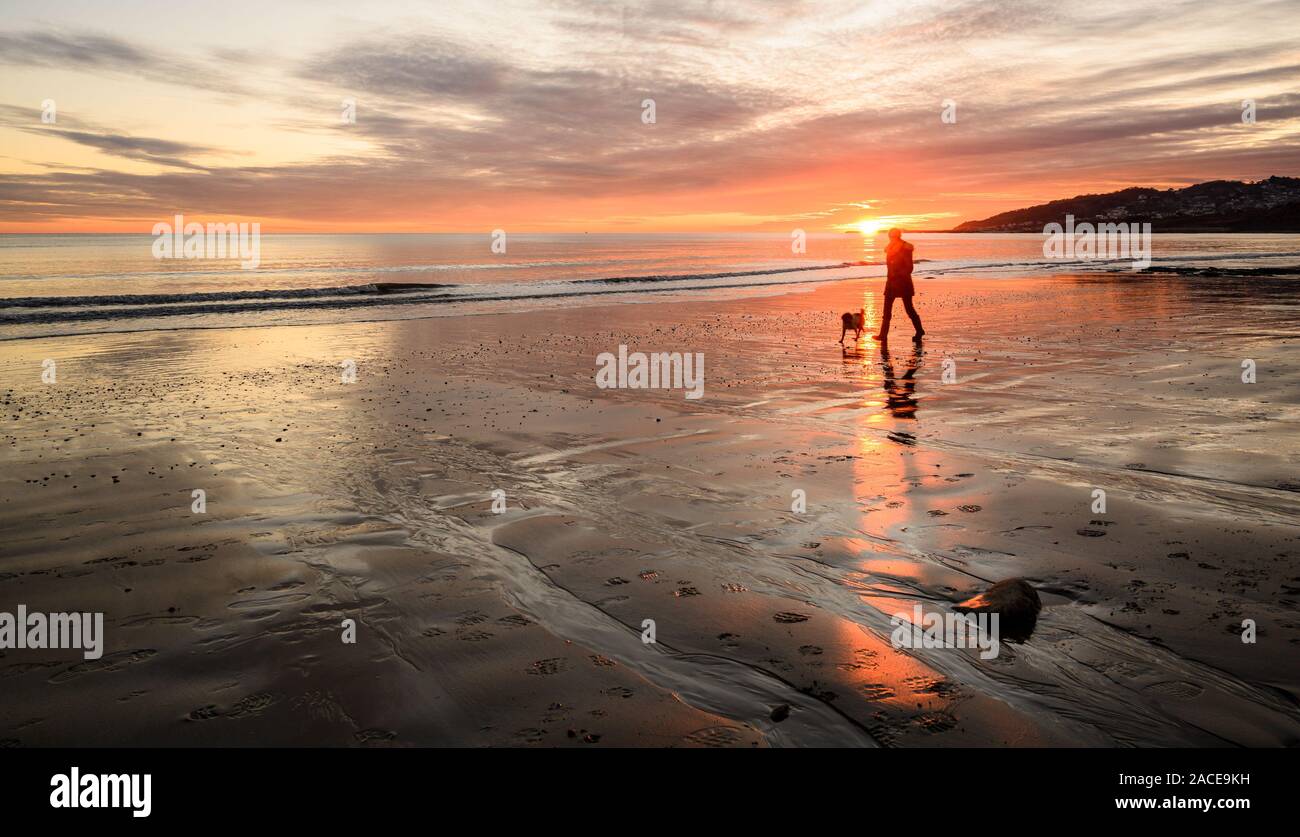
{"points": [[889, 467], [886, 471]]}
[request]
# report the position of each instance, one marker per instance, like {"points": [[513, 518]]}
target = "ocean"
{"points": [[77, 284]]}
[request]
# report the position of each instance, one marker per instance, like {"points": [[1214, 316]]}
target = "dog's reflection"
{"points": [[898, 376]]}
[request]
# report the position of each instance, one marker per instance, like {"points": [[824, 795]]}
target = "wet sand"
{"points": [[372, 501]]}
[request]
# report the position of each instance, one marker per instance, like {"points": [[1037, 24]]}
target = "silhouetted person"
{"points": [[898, 283]]}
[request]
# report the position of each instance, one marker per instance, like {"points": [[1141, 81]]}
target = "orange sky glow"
{"points": [[529, 116]]}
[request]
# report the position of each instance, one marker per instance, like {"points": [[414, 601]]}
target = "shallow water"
{"points": [[70, 284]]}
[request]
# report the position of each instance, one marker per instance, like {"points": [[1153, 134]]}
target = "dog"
{"points": [[857, 322]]}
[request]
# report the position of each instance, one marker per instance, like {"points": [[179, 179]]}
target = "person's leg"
{"points": [[911, 312], [884, 318]]}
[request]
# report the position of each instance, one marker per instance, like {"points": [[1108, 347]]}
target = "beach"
{"points": [[372, 500]]}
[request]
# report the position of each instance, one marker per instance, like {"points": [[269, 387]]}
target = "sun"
{"points": [[870, 226]]}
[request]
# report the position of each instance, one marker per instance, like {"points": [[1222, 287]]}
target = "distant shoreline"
{"points": [[1173, 230]]}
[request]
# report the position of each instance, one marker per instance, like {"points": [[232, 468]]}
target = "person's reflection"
{"points": [[900, 389], [898, 379]]}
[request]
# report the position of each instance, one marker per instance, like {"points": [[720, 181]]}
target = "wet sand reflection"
{"points": [[898, 375]]}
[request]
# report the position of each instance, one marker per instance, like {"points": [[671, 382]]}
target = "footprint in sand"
{"points": [[936, 721], [876, 691], [553, 665], [252, 705], [932, 686]]}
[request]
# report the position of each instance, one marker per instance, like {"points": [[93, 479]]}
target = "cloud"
{"points": [[91, 52], [672, 22], [524, 128], [422, 68], [63, 50], [786, 108], [144, 149]]}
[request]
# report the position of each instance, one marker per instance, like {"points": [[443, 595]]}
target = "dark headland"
{"points": [[1219, 206]]}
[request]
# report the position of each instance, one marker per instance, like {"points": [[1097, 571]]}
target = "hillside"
{"points": [[1271, 205]]}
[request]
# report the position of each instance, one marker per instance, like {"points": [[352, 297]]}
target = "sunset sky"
{"points": [[527, 116]]}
